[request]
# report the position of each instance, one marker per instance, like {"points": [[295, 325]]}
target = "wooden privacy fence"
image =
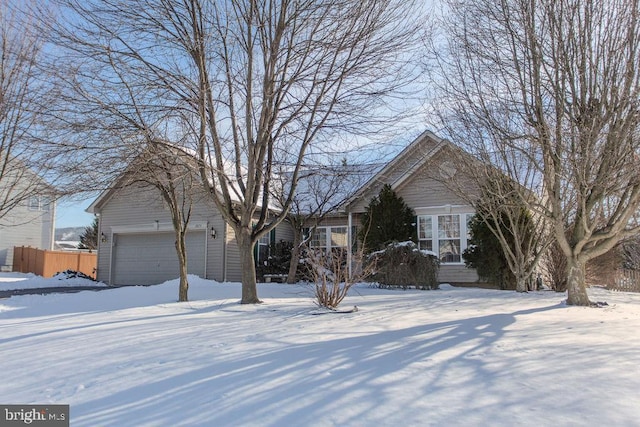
{"points": [[625, 280], [47, 263]]}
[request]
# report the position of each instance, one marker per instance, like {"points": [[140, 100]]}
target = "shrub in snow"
{"points": [[330, 273], [404, 265], [278, 260]]}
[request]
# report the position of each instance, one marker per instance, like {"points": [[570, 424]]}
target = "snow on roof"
{"points": [[327, 187]]}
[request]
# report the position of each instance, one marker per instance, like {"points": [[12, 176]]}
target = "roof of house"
{"points": [[355, 180], [411, 158]]}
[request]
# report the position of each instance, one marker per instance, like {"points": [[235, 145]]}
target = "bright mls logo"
{"points": [[34, 415]]}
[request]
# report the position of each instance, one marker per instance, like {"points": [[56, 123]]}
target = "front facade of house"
{"points": [[136, 244], [420, 175], [136, 239], [30, 223]]}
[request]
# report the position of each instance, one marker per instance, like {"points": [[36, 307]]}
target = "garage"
{"points": [[150, 258]]}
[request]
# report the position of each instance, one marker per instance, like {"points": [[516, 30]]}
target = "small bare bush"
{"points": [[330, 273], [404, 265]]}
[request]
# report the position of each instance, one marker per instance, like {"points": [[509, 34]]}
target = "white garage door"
{"points": [[150, 258]]}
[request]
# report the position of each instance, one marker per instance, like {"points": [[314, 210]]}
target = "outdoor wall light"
{"points": [[213, 232], [103, 238]]}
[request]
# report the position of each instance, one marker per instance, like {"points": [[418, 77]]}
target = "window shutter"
{"points": [[272, 236], [255, 253]]}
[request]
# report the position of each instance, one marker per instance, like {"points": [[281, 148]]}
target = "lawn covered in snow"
{"points": [[453, 357], [10, 281]]}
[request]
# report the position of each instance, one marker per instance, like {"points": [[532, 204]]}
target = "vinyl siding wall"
{"points": [[234, 273], [407, 160], [425, 191], [25, 227], [142, 206]]}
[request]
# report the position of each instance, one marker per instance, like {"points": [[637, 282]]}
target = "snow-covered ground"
{"points": [[10, 281], [452, 357]]}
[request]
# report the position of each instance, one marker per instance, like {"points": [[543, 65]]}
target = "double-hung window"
{"points": [[425, 232], [445, 235], [449, 242], [329, 238]]}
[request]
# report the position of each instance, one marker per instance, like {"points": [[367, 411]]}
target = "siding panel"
{"points": [[457, 274], [143, 205], [233, 257], [23, 227]]}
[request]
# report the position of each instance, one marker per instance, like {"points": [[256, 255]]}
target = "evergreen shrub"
{"points": [[404, 265]]}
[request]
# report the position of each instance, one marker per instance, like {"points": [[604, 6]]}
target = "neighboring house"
{"points": [[136, 244], [31, 219]]}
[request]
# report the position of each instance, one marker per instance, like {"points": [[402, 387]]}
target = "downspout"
{"points": [[52, 230], [224, 252], [110, 256], [206, 249]]}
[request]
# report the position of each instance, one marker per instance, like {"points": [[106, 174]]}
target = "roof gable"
{"points": [[413, 157]]}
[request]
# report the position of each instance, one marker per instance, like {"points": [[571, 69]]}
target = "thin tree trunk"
{"points": [[181, 249], [295, 257], [576, 289], [248, 266]]}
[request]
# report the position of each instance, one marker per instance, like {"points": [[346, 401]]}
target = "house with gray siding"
{"points": [[136, 244], [30, 217], [427, 178]]}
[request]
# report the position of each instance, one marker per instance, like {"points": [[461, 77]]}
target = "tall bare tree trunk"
{"points": [[182, 256], [577, 291], [550, 88], [259, 87], [181, 249], [248, 266]]}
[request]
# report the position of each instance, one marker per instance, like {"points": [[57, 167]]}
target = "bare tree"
{"points": [[521, 232], [21, 92], [551, 86], [265, 84], [501, 199], [171, 172], [320, 192], [116, 128]]}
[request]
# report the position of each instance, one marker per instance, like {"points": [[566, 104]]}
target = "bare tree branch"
{"points": [[550, 88], [260, 84]]}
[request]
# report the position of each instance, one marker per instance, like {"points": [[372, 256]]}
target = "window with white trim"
{"points": [[39, 203], [329, 238], [425, 232], [263, 249], [449, 247], [446, 235]]}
